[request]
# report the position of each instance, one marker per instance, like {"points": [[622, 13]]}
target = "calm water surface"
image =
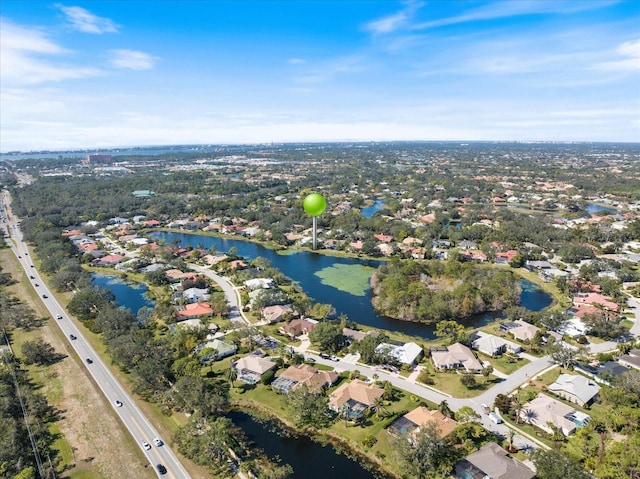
{"points": [[128, 295], [301, 267], [309, 460], [369, 211]]}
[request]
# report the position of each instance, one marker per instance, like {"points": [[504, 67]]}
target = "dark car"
{"points": [[89, 361], [32, 277], [161, 469], [72, 337], [45, 296]]}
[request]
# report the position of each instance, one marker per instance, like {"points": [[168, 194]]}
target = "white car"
{"points": [[118, 403], [146, 445], [157, 442]]}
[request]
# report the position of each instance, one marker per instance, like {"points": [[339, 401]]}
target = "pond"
{"points": [[309, 460], [127, 294], [341, 282], [592, 208], [369, 211]]}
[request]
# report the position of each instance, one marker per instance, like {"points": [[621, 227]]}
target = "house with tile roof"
{"points": [[303, 374], [251, 368], [455, 356], [355, 396], [298, 326], [195, 310], [412, 422]]}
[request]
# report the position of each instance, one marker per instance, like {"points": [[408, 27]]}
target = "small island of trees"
{"points": [[435, 291]]}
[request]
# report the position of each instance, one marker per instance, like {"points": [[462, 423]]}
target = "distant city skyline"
{"points": [[108, 74]]}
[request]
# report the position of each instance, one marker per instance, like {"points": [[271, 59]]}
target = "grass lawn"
{"points": [[450, 382], [503, 364]]}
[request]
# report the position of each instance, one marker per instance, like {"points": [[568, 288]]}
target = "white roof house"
{"points": [[408, 353], [575, 388], [260, 283], [544, 410]]}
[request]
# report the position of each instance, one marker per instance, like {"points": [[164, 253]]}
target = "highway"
{"points": [[127, 410]]}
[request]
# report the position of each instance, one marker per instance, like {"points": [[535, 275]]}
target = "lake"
{"points": [[310, 460], [127, 294], [369, 211], [310, 269]]}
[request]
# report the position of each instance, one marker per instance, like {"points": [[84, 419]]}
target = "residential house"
{"points": [[544, 412], [251, 368], [505, 257], [491, 462], [193, 295], [575, 388], [298, 326], [454, 357], [260, 283], [195, 310], [413, 421], [595, 299], [522, 330], [356, 397], [306, 374], [489, 344], [630, 360], [408, 353], [532, 265], [466, 245], [220, 349], [109, 260], [273, 314], [353, 335]]}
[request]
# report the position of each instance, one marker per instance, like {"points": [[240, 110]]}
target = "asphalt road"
{"points": [[131, 416]]}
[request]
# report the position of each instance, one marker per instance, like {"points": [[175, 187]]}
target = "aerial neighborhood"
{"points": [[479, 303]]}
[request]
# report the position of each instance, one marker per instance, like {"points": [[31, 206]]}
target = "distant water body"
{"points": [[149, 151]]}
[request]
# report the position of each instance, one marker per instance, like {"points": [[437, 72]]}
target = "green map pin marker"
{"points": [[314, 204]]}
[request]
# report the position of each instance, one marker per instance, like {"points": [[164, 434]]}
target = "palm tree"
{"points": [[377, 406], [510, 435], [444, 408], [529, 415], [232, 373]]}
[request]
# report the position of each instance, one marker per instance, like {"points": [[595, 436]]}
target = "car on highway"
{"points": [[89, 361], [72, 337], [118, 403], [161, 469], [32, 277], [36, 285], [58, 316], [145, 445], [157, 442], [44, 296]]}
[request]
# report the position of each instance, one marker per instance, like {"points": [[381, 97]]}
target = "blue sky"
{"points": [[98, 74]]}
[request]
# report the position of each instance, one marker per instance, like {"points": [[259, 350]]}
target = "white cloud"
{"points": [[132, 59], [86, 22], [394, 22], [296, 61], [22, 51], [630, 61], [504, 9]]}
